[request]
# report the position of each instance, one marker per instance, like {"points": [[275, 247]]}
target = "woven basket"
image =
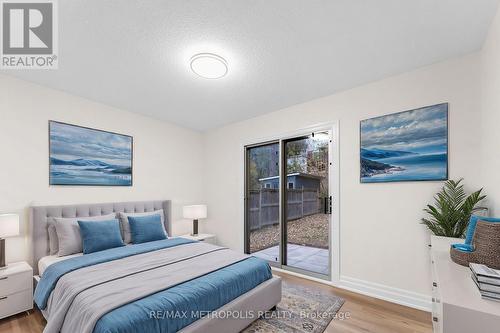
{"points": [[486, 242]]}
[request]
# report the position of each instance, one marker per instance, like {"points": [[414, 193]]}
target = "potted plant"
{"points": [[450, 215]]}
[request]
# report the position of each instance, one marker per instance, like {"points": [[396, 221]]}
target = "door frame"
{"points": [[246, 243], [334, 185]]}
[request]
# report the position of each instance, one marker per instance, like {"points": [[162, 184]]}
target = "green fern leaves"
{"points": [[450, 215]]}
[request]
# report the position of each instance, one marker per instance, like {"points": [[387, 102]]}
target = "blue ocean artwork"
{"points": [[405, 146], [85, 156]]}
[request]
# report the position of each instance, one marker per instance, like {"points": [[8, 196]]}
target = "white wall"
{"points": [[167, 158], [490, 129], [382, 242]]}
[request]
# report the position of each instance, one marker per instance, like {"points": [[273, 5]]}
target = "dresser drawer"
{"points": [[11, 284], [436, 325], [437, 317], [15, 303]]}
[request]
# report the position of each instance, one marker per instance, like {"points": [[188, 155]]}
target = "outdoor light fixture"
{"points": [[209, 65]]}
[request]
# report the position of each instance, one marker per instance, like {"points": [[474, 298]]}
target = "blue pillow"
{"points": [[101, 235], [146, 228], [472, 226]]}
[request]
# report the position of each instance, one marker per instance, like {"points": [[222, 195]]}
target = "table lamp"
{"points": [[9, 227], [195, 212]]}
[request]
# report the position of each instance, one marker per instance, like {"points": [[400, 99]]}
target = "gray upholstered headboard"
{"points": [[40, 214]]}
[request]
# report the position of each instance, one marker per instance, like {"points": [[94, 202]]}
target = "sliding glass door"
{"points": [[307, 203], [262, 200], [288, 203]]}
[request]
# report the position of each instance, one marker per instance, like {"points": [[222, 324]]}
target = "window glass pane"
{"points": [[263, 201], [307, 203]]}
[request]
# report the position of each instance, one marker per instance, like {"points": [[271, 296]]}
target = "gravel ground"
{"points": [[309, 231]]}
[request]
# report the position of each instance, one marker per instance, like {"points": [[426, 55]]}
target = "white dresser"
{"points": [[16, 289], [457, 304]]}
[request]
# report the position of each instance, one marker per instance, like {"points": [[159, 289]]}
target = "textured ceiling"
{"points": [[134, 55]]}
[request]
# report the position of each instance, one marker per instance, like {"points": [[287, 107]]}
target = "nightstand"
{"points": [[16, 289], [207, 238]]}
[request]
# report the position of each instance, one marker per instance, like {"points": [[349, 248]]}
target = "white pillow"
{"points": [[53, 242], [126, 235], [68, 232]]}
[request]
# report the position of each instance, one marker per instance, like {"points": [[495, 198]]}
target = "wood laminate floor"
{"points": [[370, 315], [363, 315]]}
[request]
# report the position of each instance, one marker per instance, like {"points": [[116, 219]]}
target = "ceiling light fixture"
{"points": [[209, 65]]}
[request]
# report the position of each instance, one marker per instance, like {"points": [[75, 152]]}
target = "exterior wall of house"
{"points": [[306, 182], [298, 182]]}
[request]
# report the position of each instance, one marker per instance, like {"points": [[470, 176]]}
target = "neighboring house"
{"points": [[296, 180]]}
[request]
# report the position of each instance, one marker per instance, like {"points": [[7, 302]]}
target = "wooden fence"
{"points": [[264, 207]]}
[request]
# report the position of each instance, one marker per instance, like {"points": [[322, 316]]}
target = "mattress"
{"points": [[45, 262]]}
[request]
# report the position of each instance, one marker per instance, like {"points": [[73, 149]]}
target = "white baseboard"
{"points": [[386, 293], [303, 276], [380, 291]]}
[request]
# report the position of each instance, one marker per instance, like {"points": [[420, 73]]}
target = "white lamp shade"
{"points": [[9, 225], [194, 212]]}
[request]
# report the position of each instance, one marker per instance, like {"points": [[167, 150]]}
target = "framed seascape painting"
{"points": [[85, 156], [405, 146]]}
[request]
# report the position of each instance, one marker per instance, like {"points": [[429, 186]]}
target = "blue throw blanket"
{"points": [[55, 271], [175, 308]]}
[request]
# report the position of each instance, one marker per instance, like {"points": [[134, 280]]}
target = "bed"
{"points": [[172, 285]]}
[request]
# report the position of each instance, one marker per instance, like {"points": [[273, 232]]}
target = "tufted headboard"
{"points": [[40, 214]]}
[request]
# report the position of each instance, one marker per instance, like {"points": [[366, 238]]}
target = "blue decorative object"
{"points": [[57, 270], [405, 146], [86, 156], [472, 226], [146, 228], [463, 247], [99, 236]]}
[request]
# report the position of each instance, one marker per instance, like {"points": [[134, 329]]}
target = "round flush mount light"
{"points": [[209, 65]]}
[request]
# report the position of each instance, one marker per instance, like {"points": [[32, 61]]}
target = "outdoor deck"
{"points": [[305, 257]]}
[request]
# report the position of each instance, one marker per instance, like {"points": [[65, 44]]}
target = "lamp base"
{"points": [[2, 253], [195, 228]]}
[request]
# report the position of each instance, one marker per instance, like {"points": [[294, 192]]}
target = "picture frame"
{"points": [[406, 146], [84, 156]]}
